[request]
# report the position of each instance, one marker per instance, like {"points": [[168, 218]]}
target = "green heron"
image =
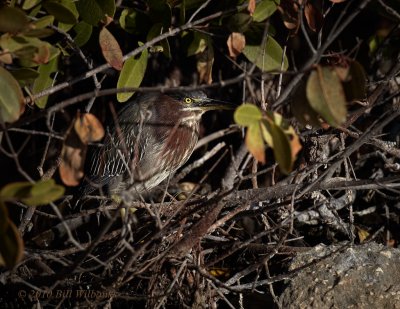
{"points": [[154, 135]]}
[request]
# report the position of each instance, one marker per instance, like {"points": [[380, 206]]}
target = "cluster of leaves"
{"points": [[31, 194], [272, 129]]}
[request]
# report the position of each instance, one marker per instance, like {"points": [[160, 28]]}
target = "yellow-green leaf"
{"points": [[264, 9], [110, 49], [12, 19], [267, 57], [266, 134], [198, 44], [134, 21], [11, 97], [247, 115], [44, 81], [255, 143], [15, 191], [43, 22], [132, 75], [44, 192], [281, 146], [24, 74], [155, 31], [32, 194], [39, 33], [30, 51], [326, 96], [28, 4]]}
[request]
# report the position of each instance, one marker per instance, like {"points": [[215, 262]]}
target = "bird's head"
{"points": [[197, 101]]}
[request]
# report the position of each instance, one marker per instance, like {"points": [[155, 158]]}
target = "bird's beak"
{"points": [[211, 104]]}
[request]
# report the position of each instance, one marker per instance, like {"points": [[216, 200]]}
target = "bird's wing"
{"points": [[114, 158]]}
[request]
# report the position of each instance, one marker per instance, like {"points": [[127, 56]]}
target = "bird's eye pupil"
{"points": [[188, 100]]}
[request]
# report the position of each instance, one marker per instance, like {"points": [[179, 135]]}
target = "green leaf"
{"points": [[28, 4], [24, 74], [134, 21], [239, 22], [44, 81], [39, 193], [43, 22], [108, 7], [264, 9], [132, 75], [30, 51], [198, 45], [301, 108], [63, 10], [326, 96], [266, 134], [247, 115], [280, 146], [65, 27], [267, 57], [44, 192], [39, 33], [93, 11], [83, 33], [254, 142], [12, 19], [154, 32], [15, 190], [355, 87], [11, 245], [160, 12], [11, 97]]}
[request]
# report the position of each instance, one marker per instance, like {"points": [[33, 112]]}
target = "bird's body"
{"points": [[154, 135]]}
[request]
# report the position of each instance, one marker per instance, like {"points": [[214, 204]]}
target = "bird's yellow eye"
{"points": [[188, 100]]}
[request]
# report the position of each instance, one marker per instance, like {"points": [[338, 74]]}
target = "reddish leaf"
{"points": [[301, 108], [43, 54], [110, 49], [255, 143], [313, 16], [73, 156], [251, 7], [326, 95], [88, 128], [5, 57], [204, 65], [355, 86], [289, 10], [236, 43], [11, 244], [71, 167]]}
